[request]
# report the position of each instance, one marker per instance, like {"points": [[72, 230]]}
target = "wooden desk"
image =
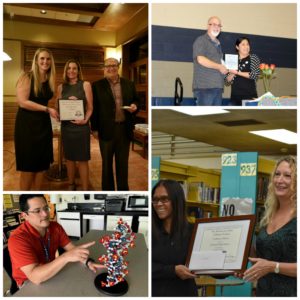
{"points": [[76, 280], [142, 138]]}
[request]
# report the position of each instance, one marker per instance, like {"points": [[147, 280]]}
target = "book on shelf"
{"points": [[262, 188], [195, 212], [202, 192], [184, 186], [198, 213]]}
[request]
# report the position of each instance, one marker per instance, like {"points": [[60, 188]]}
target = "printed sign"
{"points": [[229, 159]]}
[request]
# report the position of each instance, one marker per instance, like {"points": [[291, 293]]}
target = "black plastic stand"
{"points": [[116, 290]]}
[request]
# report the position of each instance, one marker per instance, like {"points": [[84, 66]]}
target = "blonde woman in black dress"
{"points": [[33, 131], [76, 134]]}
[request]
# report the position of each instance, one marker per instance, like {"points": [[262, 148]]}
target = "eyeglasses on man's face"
{"points": [[111, 66], [37, 211], [215, 25], [161, 199]]}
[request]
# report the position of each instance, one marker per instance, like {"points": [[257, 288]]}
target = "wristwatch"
{"points": [[277, 270], [88, 260]]}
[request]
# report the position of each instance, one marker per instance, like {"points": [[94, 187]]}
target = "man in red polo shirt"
{"points": [[32, 246]]}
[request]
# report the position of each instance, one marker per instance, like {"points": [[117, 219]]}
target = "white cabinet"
{"points": [[90, 222], [143, 228], [70, 221]]}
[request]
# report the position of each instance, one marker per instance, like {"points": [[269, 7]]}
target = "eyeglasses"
{"points": [[111, 66], [45, 209], [162, 199], [215, 25]]}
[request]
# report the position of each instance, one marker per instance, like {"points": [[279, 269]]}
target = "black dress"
{"points": [[280, 246], [75, 138], [168, 252], [245, 88], [33, 134]]}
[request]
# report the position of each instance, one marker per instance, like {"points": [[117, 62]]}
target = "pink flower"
{"points": [[267, 73]]}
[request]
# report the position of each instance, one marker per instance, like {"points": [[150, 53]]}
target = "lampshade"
{"points": [[5, 56]]}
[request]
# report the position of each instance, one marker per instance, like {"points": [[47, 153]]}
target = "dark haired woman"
{"points": [[170, 239], [243, 80]]}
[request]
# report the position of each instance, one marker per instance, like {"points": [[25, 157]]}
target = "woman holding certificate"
{"points": [[243, 80], [170, 240], [76, 133], [275, 267], [33, 131]]}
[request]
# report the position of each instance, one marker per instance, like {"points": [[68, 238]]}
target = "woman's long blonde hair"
{"points": [[35, 75], [272, 203]]}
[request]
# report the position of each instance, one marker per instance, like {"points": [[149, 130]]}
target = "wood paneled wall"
{"points": [[90, 58], [9, 117]]}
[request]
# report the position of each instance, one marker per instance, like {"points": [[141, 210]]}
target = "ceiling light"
{"points": [[279, 135], [43, 12], [5, 56], [199, 111]]}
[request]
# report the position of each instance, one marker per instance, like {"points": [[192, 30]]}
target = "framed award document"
{"points": [[232, 61], [220, 245], [70, 110]]}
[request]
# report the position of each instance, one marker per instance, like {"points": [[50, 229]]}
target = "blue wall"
{"points": [[175, 44]]}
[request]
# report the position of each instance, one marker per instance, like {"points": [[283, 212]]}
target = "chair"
{"points": [[8, 268]]}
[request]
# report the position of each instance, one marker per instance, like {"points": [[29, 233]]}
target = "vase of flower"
{"points": [[267, 73]]}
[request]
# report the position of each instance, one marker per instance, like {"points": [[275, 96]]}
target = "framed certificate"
{"points": [[71, 110], [232, 61], [220, 245]]}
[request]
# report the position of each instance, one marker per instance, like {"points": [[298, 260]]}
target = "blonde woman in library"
{"points": [[275, 266], [170, 239]]}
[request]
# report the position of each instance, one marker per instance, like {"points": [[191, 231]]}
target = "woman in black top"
{"points": [[275, 267], [170, 239], [33, 131], [243, 80]]}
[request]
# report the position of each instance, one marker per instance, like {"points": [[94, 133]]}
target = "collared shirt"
{"points": [[207, 78], [117, 93], [26, 247]]}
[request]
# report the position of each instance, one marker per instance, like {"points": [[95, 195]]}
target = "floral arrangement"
{"points": [[267, 73]]}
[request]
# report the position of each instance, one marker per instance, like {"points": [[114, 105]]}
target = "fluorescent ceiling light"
{"points": [[199, 110], [279, 135]]}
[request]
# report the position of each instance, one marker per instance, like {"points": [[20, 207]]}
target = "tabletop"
{"points": [[76, 280]]}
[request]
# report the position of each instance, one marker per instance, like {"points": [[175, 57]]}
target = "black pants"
{"points": [[118, 147]]}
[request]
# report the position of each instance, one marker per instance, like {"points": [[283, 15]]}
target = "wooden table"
{"points": [[142, 138], [76, 280]]}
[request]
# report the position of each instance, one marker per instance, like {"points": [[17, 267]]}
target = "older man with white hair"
{"points": [[208, 81]]}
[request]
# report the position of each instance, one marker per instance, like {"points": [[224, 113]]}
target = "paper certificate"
{"points": [[71, 110], [232, 61], [220, 245]]}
